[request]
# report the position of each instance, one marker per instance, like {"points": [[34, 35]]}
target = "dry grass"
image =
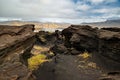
{"points": [[42, 38], [35, 61], [86, 63], [39, 49], [85, 55], [92, 65]]}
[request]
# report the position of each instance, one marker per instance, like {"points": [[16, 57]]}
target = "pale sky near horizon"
{"points": [[70, 11]]}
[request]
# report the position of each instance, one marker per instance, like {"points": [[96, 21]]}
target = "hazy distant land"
{"points": [[38, 25], [107, 23], [49, 26]]}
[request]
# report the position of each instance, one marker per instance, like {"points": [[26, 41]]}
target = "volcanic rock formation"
{"points": [[80, 53], [104, 46], [15, 45]]}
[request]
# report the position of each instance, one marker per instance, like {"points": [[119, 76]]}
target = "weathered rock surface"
{"points": [[15, 46], [104, 46], [109, 47], [67, 63], [45, 38], [81, 37], [53, 41], [105, 41], [68, 67], [59, 49]]}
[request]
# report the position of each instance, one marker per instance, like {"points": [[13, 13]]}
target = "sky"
{"points": [[67, 11]]}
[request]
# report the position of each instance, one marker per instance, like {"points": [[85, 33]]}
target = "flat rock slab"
{"points": [[69, 67]]}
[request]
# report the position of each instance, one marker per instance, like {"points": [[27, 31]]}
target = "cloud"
{"points": [[108, 12], [101, 1], [96, 1], [82, 6], [38, 8], [73, 21], [57, 20], [59, 10]]}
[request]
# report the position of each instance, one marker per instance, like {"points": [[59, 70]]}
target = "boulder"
{"points": [[59, 49], [82, 38]]}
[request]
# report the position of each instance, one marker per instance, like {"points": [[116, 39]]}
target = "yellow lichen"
{"points": [[35, 61]]}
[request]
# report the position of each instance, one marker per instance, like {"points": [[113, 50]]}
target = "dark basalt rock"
{"points": [[82, 38], [45, 38], [15, 45], [111, 76], [59, 49], [114, 29], [109, 49], [67, 67], [104, 42], [110, 44]]}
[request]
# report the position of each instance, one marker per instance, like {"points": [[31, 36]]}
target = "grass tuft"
{"points": [[85, 55]]}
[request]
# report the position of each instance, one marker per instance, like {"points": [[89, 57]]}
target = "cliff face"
{"points": [[15, 45]]}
